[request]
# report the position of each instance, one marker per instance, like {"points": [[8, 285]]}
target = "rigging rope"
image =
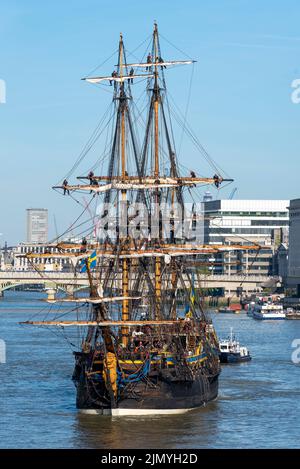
{"points": [[186, 109], [104, 62], [90, 143], [72, 224]]}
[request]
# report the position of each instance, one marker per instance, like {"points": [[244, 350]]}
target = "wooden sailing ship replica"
{"points": [[148, 346]]}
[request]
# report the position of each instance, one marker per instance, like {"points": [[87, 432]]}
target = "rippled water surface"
{"points": [[258, 404]]}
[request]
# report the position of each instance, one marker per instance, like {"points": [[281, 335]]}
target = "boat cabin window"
{"points": [[224, 347]]}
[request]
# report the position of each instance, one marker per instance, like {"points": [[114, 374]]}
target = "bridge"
{"points": [[54, 281]]}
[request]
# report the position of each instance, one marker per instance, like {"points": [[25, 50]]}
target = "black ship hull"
{"points": [[158, 395]]}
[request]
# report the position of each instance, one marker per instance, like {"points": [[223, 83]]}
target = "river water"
{"points": [[258, 404]]}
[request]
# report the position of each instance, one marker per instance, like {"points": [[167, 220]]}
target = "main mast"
{"points": [[125, 273], [156, 172]]}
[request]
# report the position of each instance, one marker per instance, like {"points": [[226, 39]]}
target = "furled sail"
{"points": [[161, 64], [143, 183], [162, 252], [97, 300], [101, 323], [117, 79]]}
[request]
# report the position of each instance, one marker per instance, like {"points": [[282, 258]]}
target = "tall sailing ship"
{"points": [[148, 345]]}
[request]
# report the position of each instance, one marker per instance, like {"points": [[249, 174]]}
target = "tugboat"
{"points": [[230, 351]]}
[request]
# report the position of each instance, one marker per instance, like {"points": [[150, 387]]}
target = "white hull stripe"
{"points": [[124, 412]]}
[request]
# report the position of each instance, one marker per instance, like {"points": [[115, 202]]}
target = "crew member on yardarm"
{"points": [[161, 61], [65, 184], [114, 75], [131, 73], [149, 61], [217, 180]]}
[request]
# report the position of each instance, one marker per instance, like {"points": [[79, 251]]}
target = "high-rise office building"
{"points": [[37, 225]]}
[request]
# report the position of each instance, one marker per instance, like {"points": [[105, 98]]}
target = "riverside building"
{"points": [[294, 246], [44, 263], [265, 222]]}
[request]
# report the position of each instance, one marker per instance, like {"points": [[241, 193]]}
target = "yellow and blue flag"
{"points": [[91, 261], [188, 311], [192, 295]]}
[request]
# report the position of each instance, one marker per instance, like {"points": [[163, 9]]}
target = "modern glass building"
{"points": [[263, 222]]}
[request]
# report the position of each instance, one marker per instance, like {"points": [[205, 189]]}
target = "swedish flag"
{"points": [[91, 261], [188, 312]]}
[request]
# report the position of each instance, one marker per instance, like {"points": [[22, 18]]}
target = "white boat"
{"points": [[232, 352], [267, 310]]}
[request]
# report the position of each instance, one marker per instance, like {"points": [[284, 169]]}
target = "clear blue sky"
{"points": [[248, 54]]}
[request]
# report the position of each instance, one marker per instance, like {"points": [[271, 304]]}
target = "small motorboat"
{"points": [[230, 351], [291, 313], [234, 309]]}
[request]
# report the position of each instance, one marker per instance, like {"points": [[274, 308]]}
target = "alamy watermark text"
{"points": [[2, 92]]}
